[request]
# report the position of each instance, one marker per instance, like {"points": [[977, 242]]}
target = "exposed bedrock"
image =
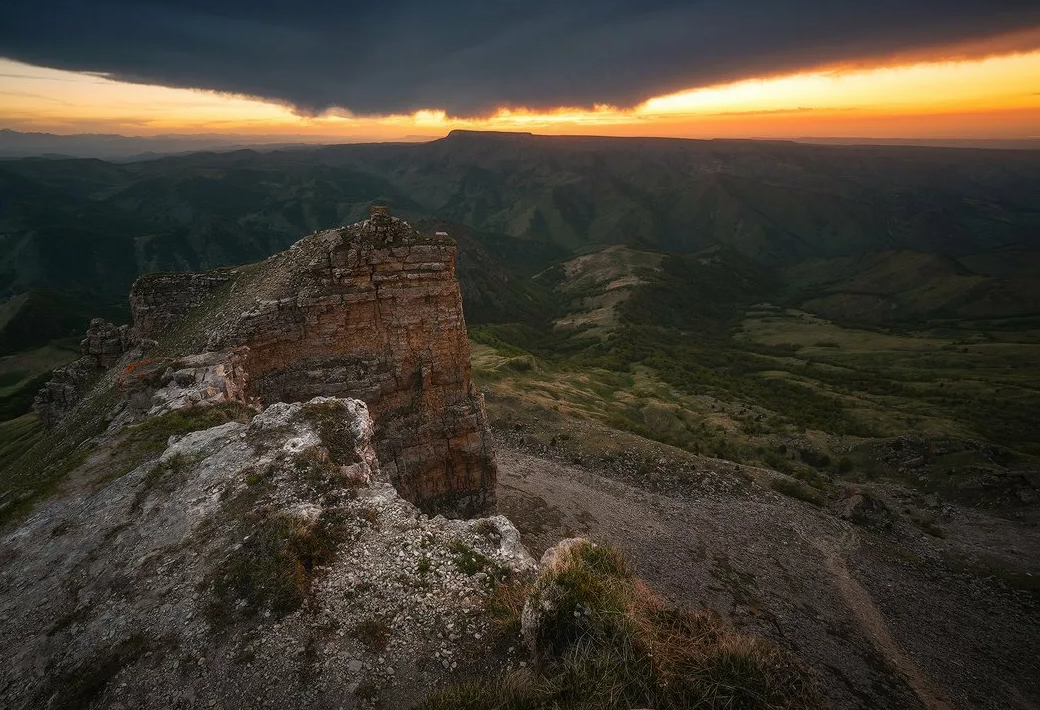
{"points": [[103, 347], [371, 311]]}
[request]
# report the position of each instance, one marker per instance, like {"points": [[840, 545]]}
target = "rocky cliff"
{"points": [[101, 349], [162, 300], [246, 475], [371, 311]]}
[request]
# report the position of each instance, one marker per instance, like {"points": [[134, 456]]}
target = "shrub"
{"points": [[814, 457], [795, 489], [520, 364]]}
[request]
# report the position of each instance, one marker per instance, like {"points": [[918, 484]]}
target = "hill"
{"points": [[97, 224]]}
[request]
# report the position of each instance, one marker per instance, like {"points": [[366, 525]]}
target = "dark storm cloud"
{"points": [[471, 56]]}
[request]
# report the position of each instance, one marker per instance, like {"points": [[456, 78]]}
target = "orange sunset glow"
{"points": [[990, 97]]}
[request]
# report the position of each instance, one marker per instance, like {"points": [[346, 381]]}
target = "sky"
{"points": [[407, 69]]}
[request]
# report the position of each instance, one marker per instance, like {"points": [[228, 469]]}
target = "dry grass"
{"points": [[605, 640], [506, 604]]}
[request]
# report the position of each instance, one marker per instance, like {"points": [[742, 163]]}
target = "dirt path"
{"points": [[871, 619]]}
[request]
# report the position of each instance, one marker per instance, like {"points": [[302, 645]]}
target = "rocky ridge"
{"points": [[101, 349], [227, 535]]}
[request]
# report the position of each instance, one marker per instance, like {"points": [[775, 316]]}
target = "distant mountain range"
{"points": [[877, 233], [106, 146], [1004, 143]]}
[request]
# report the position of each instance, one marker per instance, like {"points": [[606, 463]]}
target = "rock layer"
{"points": [[160, 301], [371, 311]]}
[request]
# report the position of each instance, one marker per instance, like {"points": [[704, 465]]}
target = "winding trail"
{"points": [[870, 617]]}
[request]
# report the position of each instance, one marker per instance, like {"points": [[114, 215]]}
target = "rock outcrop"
{"points": [[262, 563], [160, 301], [156, 386], [546, 593], [103, 347], [371, 311]]}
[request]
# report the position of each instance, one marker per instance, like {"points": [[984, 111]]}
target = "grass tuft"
{"points": [[333, 426], [272, 570], [506, 606], [469, 561], [605, 641], [140, 442]]}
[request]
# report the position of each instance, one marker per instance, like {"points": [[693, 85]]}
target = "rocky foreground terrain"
{"points": [[152, 589], [885, 614], [203, 531], [176, 586]]}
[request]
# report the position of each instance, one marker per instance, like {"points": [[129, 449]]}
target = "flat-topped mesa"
{"points": [[371, 311]]}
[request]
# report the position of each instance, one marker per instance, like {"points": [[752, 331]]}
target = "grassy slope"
{"points": [[695, 358], [23, 374]]}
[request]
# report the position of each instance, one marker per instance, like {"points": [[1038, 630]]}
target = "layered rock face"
{"points": [[103, 347], [371, 311], [160, 301]]}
